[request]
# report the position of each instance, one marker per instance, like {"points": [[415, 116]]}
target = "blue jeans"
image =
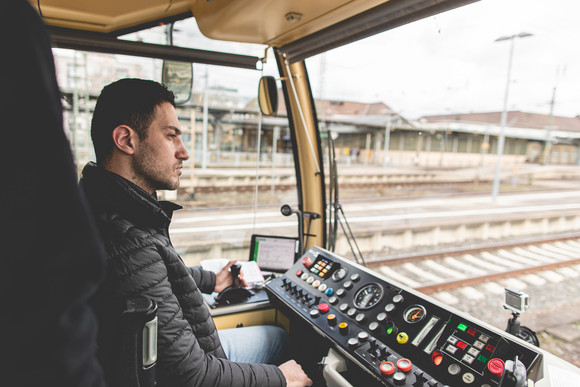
{"points": [[265, 344]]}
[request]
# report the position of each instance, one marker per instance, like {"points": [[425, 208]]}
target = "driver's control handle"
{"points": [[235, 270]]}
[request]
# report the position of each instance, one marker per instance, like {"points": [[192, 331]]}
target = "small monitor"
{"points": [[274, 253]]}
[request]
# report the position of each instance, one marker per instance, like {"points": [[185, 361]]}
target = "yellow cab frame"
{"points": [[295, 30]]}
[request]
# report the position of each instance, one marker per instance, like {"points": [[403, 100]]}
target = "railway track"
{"points": [[431, 184], [460, 267]]}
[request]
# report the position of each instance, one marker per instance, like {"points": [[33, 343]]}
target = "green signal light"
{"points": [[389, 330], [462, 327]]}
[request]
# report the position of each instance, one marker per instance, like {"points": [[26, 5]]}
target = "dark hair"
{"points": [[128, 102]]}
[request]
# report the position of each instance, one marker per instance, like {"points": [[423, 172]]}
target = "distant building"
{"points": [[546, 139]]}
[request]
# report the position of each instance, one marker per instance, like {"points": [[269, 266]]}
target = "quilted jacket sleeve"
{"points": [[204, 279], [186, 332]]}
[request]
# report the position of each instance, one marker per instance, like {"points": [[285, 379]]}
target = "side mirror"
{"points": [[268, 96], [178, 77]]}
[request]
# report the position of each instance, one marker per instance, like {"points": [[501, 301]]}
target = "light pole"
{"points": [[501, 139]]}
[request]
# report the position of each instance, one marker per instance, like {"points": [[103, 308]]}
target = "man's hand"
{"points": [[224, 278], [295, 376]]}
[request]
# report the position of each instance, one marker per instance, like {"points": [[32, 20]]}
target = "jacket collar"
{"points": [[107, 191]]}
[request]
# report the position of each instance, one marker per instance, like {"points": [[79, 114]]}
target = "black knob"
{"points": [[235, 270], [399, 378], [353, 342], [363, 336], [286, 210]]}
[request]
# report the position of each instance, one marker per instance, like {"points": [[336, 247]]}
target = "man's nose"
{"points": [[182, 152]]}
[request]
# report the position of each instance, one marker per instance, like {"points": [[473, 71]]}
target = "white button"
{"points": [[454, 369], [452, 339], [322, 287], [484, 338], [473, 351], [451, 349], [304, 276], [468, 378], [468, 359], [478, 345], [310, 280], [316, 284]]}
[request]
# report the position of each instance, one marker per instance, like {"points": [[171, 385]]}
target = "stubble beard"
{"points": [[148, 171]]}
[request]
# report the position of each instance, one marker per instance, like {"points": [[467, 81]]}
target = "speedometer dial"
{"points": [[368, 296], [414, 313]]}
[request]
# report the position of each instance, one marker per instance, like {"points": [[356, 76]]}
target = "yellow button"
{"points": [[402, 338]]}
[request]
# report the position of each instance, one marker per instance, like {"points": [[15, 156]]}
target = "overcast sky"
{"points": [[450, 63]]}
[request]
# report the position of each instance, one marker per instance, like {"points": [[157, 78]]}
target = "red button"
{"points": [[323, 308], [387, 368], [298, 273], [489, 348], [404, 365], [437, 358], [471, 331], [307, 262], [461, 344], [495, 366]]}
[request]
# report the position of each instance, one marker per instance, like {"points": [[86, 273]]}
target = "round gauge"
{"points": [[414, 313], [339, 274], [368, 296]]}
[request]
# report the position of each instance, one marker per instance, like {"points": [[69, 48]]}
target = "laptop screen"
{"points": [[274, 253]]}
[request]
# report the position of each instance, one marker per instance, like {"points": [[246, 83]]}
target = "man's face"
{"points": [[158, 159]]}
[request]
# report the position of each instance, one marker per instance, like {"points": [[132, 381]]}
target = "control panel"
{"points": [[399, 336]]}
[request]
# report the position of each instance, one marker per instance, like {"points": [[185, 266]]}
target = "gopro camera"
{"points": [[516, 301]]}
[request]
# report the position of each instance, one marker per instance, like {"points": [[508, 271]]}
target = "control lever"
{"points": [[234, 294], [514, 374]]}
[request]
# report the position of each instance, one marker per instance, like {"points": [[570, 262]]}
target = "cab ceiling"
{"points": [[299, 27]]}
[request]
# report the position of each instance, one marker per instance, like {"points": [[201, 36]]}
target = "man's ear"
{"points": [[123, 137]]}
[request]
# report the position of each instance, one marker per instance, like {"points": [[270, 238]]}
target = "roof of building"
{"points": [[515, 119]]}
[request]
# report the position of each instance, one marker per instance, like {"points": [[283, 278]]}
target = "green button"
{"points": [[482, 359], [462, 327]]}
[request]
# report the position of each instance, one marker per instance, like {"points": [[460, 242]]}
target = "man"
{"points": [[137, 140]]}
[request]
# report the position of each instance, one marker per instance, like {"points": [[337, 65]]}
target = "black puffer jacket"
{"points": [[142, 261]]}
